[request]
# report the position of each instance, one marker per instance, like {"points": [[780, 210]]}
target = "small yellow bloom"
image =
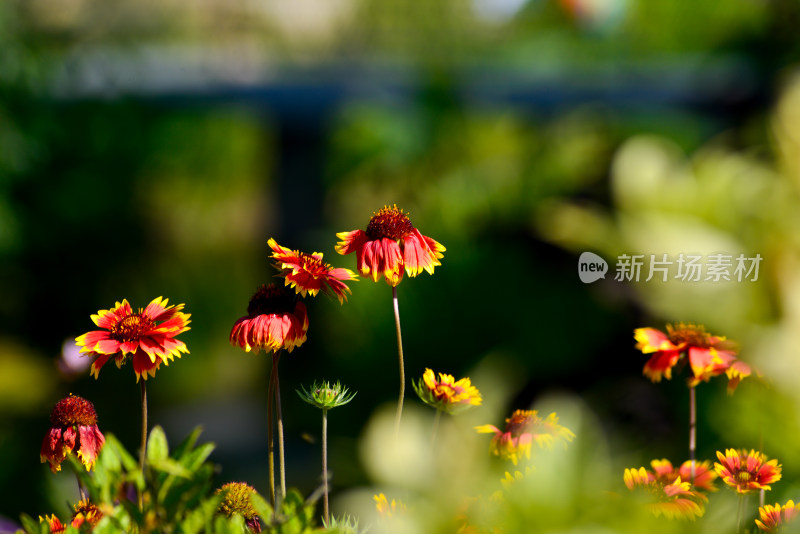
{"points": [[447, 393], [386, 509]]}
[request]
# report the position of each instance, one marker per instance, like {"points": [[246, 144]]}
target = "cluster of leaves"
{"points": [[177, 494]]}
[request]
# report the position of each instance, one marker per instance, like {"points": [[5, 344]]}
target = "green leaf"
{"points": [[199, 519], [157, 448], [169, 466], [32, 526], [194, 459], [262, 507], [187, 445]]}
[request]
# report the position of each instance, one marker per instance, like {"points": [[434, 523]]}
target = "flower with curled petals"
{"points": [[446, 393], [707, 355], [86, 513], [308, 274], [704, 474], [146, 337], [747, 471], [53, 523], [674, 500], [275, 320], [522, 429], [74, 428], [774, 518], [391, 246]]}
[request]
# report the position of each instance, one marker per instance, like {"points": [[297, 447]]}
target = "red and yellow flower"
{"points": [[447, 393], [708, 356], [522, 430], [146, 337], [308, 274], [390, 246], [54, 524], [747, 471], [86, 513], [773, 518], [704, 474], [275, 320], [74, 428], [674, 500]]}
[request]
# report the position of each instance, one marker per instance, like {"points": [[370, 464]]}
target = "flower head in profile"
{"points": [[326, 395], [86, 513], [146, 337], [675, 500], [74, 428], [774, 518], [747, 471], [236, 500], [53, 523], [707, 355], [522, 430], [308, 274], [446, 393], [704, 474], [386, 509], [275, 320], [391, 246]]}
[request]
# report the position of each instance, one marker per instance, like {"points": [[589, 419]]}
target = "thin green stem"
{"points": [[143, 448], [692, 430], [81, 491], [400, 357], [270, 441], [740, 512], [325, 464], [275, 357]]}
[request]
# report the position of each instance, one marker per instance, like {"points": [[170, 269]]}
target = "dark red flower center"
{"points": [[690, 334], [271, 299], [519, 422], [389, 222], [73, 411], [132, 328]]}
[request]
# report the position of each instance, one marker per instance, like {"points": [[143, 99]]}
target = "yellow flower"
{"points": [[447, 394], [385, 508]]}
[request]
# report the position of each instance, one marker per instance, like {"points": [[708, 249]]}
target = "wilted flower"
{"points": [[773, 518], [704, 475], [326, 395], [74, 427], [307, 273], [390, 246], [237, 501], [522, 429], [86, 513], [675, 500], [146, 337], [747, 471], [447, 394], [707, 355], [275, 320]]}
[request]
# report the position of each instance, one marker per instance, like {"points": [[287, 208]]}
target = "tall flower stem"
{"points": [[270, 441], [692, 429], [325, 464], [275, 357], [143, 448], [400, 356], [740, 512]]}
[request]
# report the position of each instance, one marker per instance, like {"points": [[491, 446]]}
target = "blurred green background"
{"points": [[152, 147]]}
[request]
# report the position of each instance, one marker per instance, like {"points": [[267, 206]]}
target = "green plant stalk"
{"points": [[143, 448], [400, 356], [270, 441], [325, 464], [740, 512], [275, 358]]}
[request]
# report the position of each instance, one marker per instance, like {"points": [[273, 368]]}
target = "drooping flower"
{"points": [[387, 510], [447, 394], [74, 428], [708, 356], [390, 246], [275, 320], [146, 337], [236, 500], [675, 500], [774, 518], [704, 474], [522, 429], [86, 513], [308, 274], [747, 471]]}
